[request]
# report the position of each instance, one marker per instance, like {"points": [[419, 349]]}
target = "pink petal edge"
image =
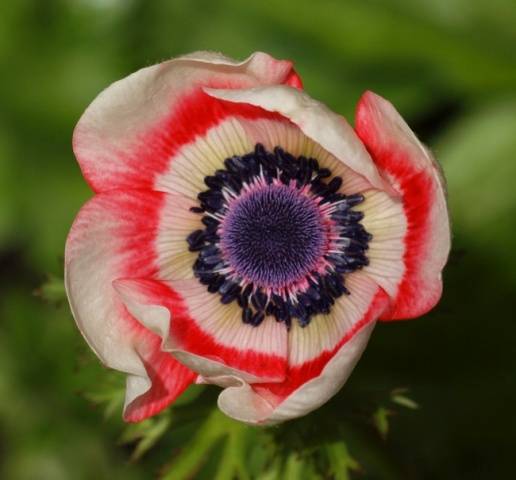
{"points": [[416, 176], [130, 133]]}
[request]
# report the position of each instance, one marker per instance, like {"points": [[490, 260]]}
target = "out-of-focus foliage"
{"points": [[448, 65]]}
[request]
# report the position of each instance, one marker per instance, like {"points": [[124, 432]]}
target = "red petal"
{"points": [[237, 349], [294, 80], [168, 377], [113, 236], [321, 358], [132, 130], [415, 175], [298, 375]]}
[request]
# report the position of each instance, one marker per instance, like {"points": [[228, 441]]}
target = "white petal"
{"points": [[112, 236], [325, 332], [415, 175], [129, 133], [176, 222], [186, 172], [205, 335], [275, 133], [321, 358], [316, 121], [243, 403], [319, 390], [384, 218]]}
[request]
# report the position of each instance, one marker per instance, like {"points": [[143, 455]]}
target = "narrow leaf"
{"points": [[381, 421]]}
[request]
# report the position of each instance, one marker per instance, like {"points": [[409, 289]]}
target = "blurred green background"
{"points": [[449, 66]]}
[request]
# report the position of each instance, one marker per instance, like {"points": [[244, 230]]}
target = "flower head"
{"points": [[244, 235]]}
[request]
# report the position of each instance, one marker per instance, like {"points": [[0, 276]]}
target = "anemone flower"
{"points": [[242, 234]]}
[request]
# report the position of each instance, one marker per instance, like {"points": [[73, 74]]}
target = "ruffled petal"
{"points": [[321, 358], [164, 380], [281, 133], [206, 335], [112, 237], [216, 332], [130, 133], [415, 175], [238, 136], [315, 120]]}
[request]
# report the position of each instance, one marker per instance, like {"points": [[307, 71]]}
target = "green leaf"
{"points": [[381, 420], [478, 159], [146, 434], [52, 290], [273, 472], [214, 429], [234, 454], [189, 395], [405, 401], [294, 467], [341, 462], [109, 394], [400, 397]]}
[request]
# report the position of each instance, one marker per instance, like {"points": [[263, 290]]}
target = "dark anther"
{"points": [[259, 299], [214, 182], [332, 198], [354, 216], [229, 297], [247, 290], [313, 293], [257, 319], [210, 222], [334, 185], [195, 240], [285, 178], [314, 164], [323, 173], [242, 300], [247, 315], [304, 320], [352, 200], [214, 286], [228, 286], [211, 259], [354, 249], [318, 187], [234, 183], [259, 150], [234, 164]]}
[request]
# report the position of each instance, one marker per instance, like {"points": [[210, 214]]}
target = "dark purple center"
{"points": [[278, 236], [273, 236]]}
